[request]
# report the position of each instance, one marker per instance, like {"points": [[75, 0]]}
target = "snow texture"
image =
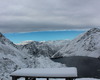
{"points": [[47, 72], [45, 62], [87, 44], [13, 57]]}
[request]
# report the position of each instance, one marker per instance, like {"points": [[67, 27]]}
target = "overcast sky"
{"points": [[42, 15]]}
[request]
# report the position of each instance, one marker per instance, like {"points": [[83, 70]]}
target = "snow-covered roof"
{"points": [[46, 72]]}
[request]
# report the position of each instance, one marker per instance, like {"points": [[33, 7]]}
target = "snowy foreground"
{"points": [[47, 72], [60, 71]]}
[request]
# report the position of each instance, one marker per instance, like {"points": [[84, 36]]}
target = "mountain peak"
{"points": [[93, 30], [87, 44], [89, 32]]}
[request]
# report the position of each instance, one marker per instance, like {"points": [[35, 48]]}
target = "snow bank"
{"points": [[47, 72], [45, 62]]}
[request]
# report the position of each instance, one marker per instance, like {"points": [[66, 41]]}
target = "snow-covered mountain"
{"points": [[87, 44], [13, 57], [44, 48], [35, 54]]}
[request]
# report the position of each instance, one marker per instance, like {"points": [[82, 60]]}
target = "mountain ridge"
{"points": [[86, 44], [14, 57]]}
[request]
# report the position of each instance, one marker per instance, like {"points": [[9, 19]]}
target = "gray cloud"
{"points": [[40, 15]]}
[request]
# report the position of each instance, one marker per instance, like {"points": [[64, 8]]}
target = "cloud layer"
{"points": [[40, 15]]}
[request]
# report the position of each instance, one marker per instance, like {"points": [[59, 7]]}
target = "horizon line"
{"points": [[47, 31]]}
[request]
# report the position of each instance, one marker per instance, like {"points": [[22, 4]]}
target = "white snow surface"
{"points": [[47, 72], [45, 62]]}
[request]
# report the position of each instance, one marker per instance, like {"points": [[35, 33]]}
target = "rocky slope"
{"points": [[11, 58], [87, 44], [46, 49]]}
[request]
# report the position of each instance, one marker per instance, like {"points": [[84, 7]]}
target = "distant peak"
{"points": [[93, 30]]}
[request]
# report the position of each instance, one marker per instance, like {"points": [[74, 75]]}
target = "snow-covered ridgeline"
{"points": [[87, 44], [45, 48]]}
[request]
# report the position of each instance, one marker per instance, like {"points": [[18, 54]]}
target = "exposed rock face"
{"points": [[87, 44], [46, 49]]}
